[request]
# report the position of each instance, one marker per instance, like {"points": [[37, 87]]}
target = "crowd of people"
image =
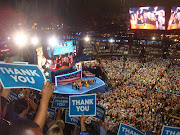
{"points": [[135, 101], [170, 81], [28, 115], [144, 95]]}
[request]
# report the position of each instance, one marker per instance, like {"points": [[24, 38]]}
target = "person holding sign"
{"points": [[56, 127], [83, 127], [30, 127]]}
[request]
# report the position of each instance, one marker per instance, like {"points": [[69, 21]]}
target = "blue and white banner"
{"points": [[12, 97], [51, 114], [60, 103], [21, 76], [100, 112], [128, 130], [63, 47], [82, 103], [71, 120], [166, 130], [68, 78]]}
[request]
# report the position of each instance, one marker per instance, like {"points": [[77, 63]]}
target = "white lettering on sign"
{"points": [[82, 108], [99, 110], [25, 72], [83, 102], [74, 120], [99, 114], [64, 50], [16, 71], [129, 131], [60, 104], [169, 132], [61, 101], [23, 79], [19, 72]]}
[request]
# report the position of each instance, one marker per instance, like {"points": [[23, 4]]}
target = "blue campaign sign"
{"points": [[100, 112], [82, 103], [60, 103], [166, 130], [21, 76], [12, 97], [71, 120], [128, 130], [51, 114]]}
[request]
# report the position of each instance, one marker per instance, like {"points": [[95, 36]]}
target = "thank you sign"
{"points": [[12, 97], [21, 76], [60, 102], [51, 114], [100, 112], [128, 130], [82, 103], [166, 130], [71, 120]]}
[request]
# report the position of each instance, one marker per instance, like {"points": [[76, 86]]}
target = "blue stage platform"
{"points": [[98, 86]]}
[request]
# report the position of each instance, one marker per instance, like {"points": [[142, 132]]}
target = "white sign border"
{"points": [[78, 96], [129, 126], [69, 122], [23, 86], [59, 107], [168, 127]]}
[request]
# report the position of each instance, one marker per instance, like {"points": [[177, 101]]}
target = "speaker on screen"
{"points": [[174, 20], [152, 18]]}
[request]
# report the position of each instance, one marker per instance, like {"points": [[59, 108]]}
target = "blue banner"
{"points": [[12, 97], [100, 112], [21, 76], [64, 47], [166, 130], [128, 130], [60, 103], [82, 103], [51, 114], [71, 120], [68, 78]]}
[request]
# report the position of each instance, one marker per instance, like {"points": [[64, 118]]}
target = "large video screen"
{"points": [[151, 18], [62, 55], [174, 20], [62, 61]]}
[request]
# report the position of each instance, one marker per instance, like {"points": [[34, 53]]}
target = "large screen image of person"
{"points": [[151, 18], [62, 55], [174, 20], [62, 61]]}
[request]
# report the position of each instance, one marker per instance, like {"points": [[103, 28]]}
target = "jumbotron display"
{"points": [[151, 18], [63, 55], [174, 21]]}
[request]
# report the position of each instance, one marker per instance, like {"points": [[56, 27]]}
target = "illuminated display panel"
{"points": [[63, 55], [151, 18], [174, 20]]}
